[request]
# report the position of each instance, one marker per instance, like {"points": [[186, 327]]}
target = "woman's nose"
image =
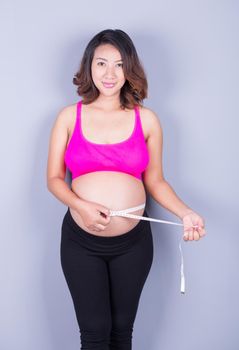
{"points": [[110, 71]]}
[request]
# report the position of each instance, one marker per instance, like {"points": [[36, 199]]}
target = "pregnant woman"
{"points": [[112, 146]]}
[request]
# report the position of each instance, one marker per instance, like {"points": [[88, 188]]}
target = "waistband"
{"points": [[140, 228]]}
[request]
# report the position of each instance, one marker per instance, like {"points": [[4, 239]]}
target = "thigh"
{"points": [[87, 277], [128, 273]]}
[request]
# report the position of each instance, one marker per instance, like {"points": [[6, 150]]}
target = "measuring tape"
{"points": [[125, 213]]}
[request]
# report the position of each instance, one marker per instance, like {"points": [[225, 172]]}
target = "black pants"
{"points": [[105, 276]]}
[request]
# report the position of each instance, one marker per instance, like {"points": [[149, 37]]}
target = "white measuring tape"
{"points": [[125, 212]]}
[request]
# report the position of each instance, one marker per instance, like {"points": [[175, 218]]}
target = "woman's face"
{"points": [[107, 70]]}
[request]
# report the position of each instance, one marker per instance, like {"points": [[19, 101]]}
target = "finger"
{"points": [[100, 227], [190, 235], [196, 235], [185, 235], [103, 222], [105, 213], [201, 227], [201, 231], [94, 228], [104, 218]]}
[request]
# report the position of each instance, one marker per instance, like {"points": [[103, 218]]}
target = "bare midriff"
{"points": [[114, 190]]}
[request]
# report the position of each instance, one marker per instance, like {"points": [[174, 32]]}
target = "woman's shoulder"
{"points": [[147, 112], [149, 119], [66, 115], [68, 109]]}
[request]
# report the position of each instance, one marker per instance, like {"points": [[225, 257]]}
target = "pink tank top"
{"points": [[129, 156]]}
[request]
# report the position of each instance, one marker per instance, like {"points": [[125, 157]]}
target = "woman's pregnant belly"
{"points": [[114, 190]]}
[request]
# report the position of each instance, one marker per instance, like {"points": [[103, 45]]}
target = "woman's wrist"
{"points": [[78, 203], [185, 212]]}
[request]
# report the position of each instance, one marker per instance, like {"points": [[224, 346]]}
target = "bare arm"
{"points": [[164, 194], [153, 177], [56, 170], [61, 191]]}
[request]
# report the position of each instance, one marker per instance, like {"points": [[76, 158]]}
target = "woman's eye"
{"points": [[101, 63]]}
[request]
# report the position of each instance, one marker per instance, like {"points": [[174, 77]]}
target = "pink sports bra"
{"points": [[129, 156]]}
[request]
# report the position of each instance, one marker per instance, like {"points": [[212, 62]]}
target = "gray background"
{"points": [[189, 50]]}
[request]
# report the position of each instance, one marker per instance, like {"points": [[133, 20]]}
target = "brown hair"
{"points": [[135, 88]]}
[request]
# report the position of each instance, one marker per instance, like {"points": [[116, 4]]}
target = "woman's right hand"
{"points": [[94, 215]]}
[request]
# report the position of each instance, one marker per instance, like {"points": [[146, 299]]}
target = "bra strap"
{"points": [[78, 111]]}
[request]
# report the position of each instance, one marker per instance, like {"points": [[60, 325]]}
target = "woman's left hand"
{"points": [[193, 233]]}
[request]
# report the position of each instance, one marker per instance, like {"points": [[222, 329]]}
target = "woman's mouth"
{"points": [[108, 85]]}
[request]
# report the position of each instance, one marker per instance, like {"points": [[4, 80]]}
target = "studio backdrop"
{"points": [[189, 50]]}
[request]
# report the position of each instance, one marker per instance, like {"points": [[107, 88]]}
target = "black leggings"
{"points": [[105, 277]]}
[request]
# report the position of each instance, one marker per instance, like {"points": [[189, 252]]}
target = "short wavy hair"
{"points": [[135, 88]]}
